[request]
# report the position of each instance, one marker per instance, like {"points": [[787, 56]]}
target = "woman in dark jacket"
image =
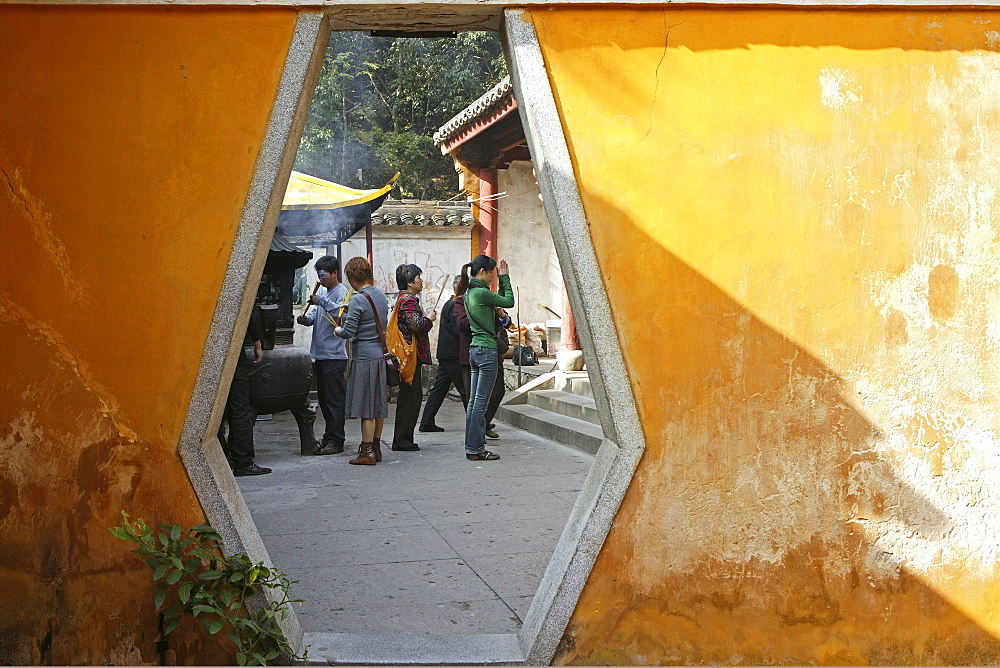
{"points": [[367, 394], [448, 372], [414, 325]]}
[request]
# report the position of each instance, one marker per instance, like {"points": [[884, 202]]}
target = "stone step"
{"points": [[566, 403], [576, 382], [570, 431]]}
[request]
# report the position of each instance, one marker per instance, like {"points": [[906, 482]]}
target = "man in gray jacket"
{"points": [[329, 351]]}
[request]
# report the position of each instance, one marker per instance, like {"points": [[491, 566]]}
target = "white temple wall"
{"points": [[525, 241]]}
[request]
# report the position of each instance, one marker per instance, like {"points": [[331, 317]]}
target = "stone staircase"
{"points": [[558, 405]]}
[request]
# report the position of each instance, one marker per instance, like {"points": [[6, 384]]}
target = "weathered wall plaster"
{"points": [[126, 152], [794, 213], [525, 241]]}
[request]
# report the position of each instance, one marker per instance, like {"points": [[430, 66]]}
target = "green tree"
{"points": [[379, 100]]}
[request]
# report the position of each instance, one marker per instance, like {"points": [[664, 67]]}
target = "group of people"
{"points": [[469, 325], [467, 351]]}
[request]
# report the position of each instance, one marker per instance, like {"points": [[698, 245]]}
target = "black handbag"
{"points": [[392, 377], [525, 356]]}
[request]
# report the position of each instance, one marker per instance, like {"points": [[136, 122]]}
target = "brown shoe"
{"points": [[366, 455], [330, 449], [378, 449]]}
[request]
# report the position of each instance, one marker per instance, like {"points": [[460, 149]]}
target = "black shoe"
{"points": [[491, 425], [431, 427], [406, 448], [253, 469], [330, 449], [484, 456]]}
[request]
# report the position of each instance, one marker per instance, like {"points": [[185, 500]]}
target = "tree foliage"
{"points": [[380, 99]]}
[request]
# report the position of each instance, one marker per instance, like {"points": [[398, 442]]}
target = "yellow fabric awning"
{"points": [[309, 192]]}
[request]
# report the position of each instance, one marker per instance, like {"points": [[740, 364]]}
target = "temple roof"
{"points": [[280, 244], [310, 192], [423, 213], [411, 213], [493, 104]]}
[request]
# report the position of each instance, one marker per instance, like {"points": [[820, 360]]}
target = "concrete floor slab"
{"points": [[512, 576], [493, 615], [402, 584], [427, 649], [476, 539], [500, 508], [363, 546]]}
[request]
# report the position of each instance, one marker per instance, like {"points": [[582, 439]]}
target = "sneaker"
{"points": [[492, 434], [484, 456]]}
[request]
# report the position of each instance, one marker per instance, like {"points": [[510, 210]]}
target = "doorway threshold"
{"points": [[414, 649]]}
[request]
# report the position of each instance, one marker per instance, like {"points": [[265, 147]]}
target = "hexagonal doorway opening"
{"points": [[428, 557]]}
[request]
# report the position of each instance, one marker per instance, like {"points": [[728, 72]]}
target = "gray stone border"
{"points": [[616, 461], [199, 449]]}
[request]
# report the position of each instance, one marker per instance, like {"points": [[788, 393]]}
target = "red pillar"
{"points": [[488, 211], [567, 329]]}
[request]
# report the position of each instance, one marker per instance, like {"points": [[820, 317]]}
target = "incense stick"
{"points": [[315, 290], [437, 302]]}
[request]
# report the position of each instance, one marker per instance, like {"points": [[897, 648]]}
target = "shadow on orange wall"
{"points": [[742, 538]]}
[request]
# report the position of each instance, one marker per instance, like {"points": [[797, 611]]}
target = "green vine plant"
{"points": [[189, 568]]}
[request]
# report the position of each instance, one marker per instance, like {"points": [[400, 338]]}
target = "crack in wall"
{"points": [[47, 240], [656, 74], [11, 312]]}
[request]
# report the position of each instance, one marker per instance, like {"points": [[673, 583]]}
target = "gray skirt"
{"points": [[367, 394]]}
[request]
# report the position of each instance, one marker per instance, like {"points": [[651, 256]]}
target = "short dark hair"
{"points": [[358, 271], [406, 274], [329, 264]]}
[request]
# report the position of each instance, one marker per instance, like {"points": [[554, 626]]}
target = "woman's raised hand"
{"points": [[502, 268]]}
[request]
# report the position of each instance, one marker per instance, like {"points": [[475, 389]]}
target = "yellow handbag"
{"points": [[406, 352]]}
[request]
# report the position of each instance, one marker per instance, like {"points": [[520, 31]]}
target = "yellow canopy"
{"points": [[309, 192]]}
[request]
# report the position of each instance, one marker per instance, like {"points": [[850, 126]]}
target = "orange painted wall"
{"points": [[795, 213], [128, 140]]}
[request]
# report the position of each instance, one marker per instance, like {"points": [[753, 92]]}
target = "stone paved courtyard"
{"points": [[424, 542]]}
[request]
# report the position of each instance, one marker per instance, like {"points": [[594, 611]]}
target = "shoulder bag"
{"points": [[499, 335], [391, 361], [405, 352]]}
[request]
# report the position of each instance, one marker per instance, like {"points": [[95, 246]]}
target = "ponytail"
{"points": [[472, 269], [463, 281]]}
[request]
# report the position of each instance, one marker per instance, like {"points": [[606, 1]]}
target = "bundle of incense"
{"points": [[343, 305]]}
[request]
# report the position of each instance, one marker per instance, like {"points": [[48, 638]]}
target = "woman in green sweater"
{"points": [[480, 307]]}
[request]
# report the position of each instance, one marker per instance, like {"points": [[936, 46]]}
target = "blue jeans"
{"points": [[484, 363]]}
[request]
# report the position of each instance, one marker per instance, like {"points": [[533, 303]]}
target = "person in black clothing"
{"points": [[448, 372], [239, 414]]}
